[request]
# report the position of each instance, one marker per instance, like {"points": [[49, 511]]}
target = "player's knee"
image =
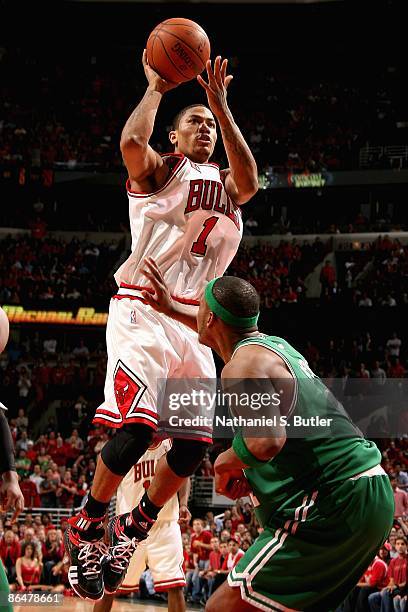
{"points": [[126, 448], [185, 456]]}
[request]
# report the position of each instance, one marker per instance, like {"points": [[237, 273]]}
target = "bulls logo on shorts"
{"points": [[128, 389]]}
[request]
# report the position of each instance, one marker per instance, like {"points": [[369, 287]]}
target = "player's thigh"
{"points": [[140, 353], [165, 556]]}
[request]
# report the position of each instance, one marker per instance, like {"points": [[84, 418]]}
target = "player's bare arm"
{"points": [[251, 363], [241, 180], [146, 169], [161, 300], [183, 495]]}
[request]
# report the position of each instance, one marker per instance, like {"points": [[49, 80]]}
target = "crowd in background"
{"points": [[55, 273], [56, 472]]}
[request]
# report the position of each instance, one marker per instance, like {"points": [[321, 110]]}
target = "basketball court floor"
{"points": [[74, 604]]}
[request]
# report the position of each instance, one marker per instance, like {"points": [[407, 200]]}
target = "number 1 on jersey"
{"points": [[199, 247]]}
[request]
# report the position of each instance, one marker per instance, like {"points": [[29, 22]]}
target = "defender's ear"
{"points": [[173, 137]]}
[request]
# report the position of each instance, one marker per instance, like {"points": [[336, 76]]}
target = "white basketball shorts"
{"points": [[162, 552], [144, 346]]}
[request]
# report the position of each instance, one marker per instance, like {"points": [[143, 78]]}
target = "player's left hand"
{"points": [[184, 516], [229, 478], [217, 85], [160, 300], [14, 499]]}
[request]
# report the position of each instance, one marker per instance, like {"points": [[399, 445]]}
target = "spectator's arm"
{"points": [[18, 573]]}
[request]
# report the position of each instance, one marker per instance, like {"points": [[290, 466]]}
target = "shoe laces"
{"points": [[120, 554], [90, 555]]}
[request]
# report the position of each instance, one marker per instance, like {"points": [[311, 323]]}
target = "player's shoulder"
{"points": [[173, 160], [252, 359]]}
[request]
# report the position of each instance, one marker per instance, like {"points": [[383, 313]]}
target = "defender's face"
{"points": [[203, 314], [196, 134]]}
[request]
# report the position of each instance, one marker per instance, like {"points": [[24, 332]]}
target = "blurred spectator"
{"points": [[394, 345], [10, 550], [397, 576], [28, 569], [400, 500]]}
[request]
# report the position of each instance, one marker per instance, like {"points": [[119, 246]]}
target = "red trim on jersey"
{"points": [[139, 194], [171, 585], [129, 297], [184, 436], [127, 588], [141, 410], [149, 290], [169, 580], [126, 286], [186, 301], [176, 582], [106, 423]]}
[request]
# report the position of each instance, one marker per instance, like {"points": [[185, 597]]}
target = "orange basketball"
{"points": [[178, 49]]}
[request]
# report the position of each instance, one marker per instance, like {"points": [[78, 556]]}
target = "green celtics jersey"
{"points": [[323, 446]]}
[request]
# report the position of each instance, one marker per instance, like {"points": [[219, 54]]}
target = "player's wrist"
{"points": [[158, 87]]}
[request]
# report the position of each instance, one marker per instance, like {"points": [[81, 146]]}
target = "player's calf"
{"points": [[126, 530]]}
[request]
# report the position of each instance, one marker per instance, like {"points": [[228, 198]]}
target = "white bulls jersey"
{"points": [[137, 480], [190, 227]]}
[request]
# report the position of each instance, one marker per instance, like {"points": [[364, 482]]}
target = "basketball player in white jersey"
{"points": [[162, 551], [184, 212]]}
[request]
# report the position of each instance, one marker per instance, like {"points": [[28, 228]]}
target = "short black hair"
{"points": [[177, 118], [238, 296], [233, 540]]}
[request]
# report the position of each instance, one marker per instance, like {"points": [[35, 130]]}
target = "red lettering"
{"points": [[204, 204], [138, 472], [230, 213], [146, 469], [194, 196], [199, 246], [217, 207]]}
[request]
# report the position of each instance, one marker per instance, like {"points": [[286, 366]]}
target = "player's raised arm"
{"points": [[241, 181], [141, 161]]}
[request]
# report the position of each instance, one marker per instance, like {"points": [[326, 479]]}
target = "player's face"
{"points": [[196, 134]]}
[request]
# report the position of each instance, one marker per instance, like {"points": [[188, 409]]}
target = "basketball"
{"points": [[177, 49]]}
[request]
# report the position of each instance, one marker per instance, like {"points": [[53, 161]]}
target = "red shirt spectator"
{"points": [[400, 500], [30, 493], [200, 540], [376, 574], [328, 275], [234, 555], [10, 549], [398, 568]]}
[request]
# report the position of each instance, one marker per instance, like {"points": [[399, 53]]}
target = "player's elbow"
{"points": [[132, 143], [268, 448], [247, 191]]}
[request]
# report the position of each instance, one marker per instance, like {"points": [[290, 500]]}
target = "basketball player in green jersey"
{"points": [[324, 501]]}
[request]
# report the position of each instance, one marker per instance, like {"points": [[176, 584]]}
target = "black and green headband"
{"points": [[224, 314]]}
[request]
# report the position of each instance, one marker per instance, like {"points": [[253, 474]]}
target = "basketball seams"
{"points": [[184, 43], [172, 63], [152, 50]]}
